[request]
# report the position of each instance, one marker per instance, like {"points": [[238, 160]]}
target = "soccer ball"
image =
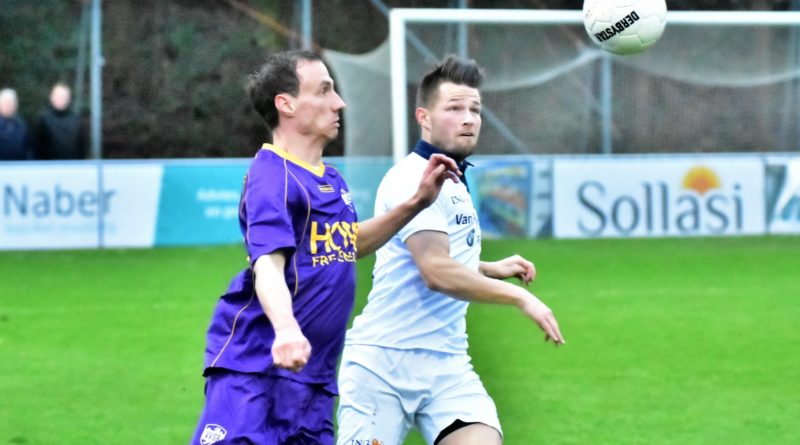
{"points": [[625, 26]]}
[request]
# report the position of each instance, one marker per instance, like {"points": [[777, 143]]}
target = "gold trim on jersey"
{"points": [[305, 227], [318, 170], [233, 327]]}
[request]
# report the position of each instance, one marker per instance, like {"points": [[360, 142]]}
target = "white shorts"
{"points": [[383, 392]]}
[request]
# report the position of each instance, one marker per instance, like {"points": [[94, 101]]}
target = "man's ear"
{"points": [[423, 118], [284, 104]]}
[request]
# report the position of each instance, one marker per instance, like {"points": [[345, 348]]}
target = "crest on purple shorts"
{"points": [[212, 433]]}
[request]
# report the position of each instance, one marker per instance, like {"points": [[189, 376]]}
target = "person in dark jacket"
{"points": [[14, 137], [59, 132]]}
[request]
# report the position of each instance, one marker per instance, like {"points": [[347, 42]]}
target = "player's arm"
{"points": [[441, 273], [290, 349], [375, 232], [513, 266]]}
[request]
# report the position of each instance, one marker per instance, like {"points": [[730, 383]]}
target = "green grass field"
{"points": [[671, 341]]}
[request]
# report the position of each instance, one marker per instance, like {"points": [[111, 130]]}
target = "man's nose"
{"points": [[339, 103], [469, 119]]}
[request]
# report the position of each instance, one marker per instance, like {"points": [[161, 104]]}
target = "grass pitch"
{"points": [[669, 341]]}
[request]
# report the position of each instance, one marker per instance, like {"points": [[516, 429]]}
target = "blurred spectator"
{"points": [[14, 138], [59, 133]]}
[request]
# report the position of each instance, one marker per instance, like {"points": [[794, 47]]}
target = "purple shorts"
{"points": [[264, 410]]}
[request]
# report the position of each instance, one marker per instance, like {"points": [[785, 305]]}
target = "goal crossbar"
{"points": [[399, 18]]}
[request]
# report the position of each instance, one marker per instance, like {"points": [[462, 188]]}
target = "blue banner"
{"points": [[200, 204], [363, 175]]}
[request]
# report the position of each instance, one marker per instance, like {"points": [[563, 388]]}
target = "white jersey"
{"points": [[401, 311]]}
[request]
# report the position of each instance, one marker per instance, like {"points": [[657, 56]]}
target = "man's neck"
{"points": [[436, 149], [306, 149], [426, 149]]}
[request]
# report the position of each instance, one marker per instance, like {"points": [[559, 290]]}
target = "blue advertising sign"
{"points": [[363, 175], [200, 204]]}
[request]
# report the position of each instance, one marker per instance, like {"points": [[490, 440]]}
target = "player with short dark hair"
{"points": [[276, 334], [451, 70], [276, 76], [405, 362]]}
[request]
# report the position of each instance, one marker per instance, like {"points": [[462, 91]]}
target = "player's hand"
{"points": [[513, 266], [543, 316], [291, 349], [439, 169]]}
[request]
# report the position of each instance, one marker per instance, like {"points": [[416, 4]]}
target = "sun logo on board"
{"points": [[701, 179]]}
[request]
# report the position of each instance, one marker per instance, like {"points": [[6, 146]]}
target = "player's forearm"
{"points": [[377, 231], [488, 269], [272, 292], [454, 279], [277, 305]]}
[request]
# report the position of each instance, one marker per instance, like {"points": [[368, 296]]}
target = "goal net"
{"points": [[715, 82]]}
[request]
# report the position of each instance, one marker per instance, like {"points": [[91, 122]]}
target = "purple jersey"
{"points": [[306, 213]]}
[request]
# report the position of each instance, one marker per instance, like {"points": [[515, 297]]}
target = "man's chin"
{"points": [[332, 135], [465, 149]]}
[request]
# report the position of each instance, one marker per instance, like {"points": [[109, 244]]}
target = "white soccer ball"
{"points": [[625, 26]]}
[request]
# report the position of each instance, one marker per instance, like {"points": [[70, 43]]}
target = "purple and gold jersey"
{"points": [[305, 212]]}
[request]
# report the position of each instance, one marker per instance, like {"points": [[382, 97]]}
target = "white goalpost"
{"points": [[751, 73]]}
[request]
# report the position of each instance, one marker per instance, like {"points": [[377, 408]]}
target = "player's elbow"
{"points": [[434, 279], [433, 283]]}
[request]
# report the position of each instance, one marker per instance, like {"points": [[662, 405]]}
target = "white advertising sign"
{"points": [[650, 197], [136, 188], [60, 206]]}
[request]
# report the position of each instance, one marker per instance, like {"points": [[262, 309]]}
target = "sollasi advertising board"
{"points": [[656, 196]]}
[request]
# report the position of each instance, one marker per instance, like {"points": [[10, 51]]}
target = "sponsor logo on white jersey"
{"points": [[365, 442]]}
